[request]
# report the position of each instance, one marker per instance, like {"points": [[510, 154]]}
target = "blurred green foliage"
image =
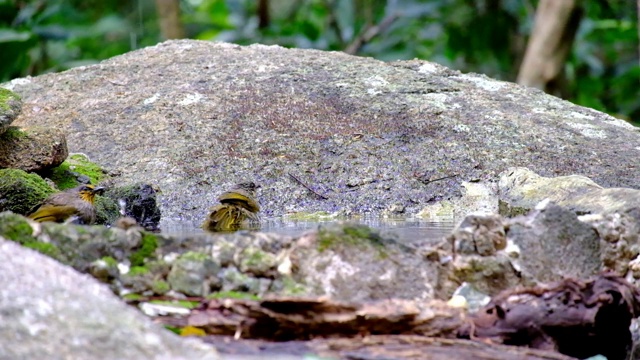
{"points": [[485, 36]]}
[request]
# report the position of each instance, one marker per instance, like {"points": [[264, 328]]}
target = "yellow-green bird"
{"points": [[238, 210], [74, 204]]}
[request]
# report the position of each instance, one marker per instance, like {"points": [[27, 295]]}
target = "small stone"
{"points": [[194, 274], [32, 149]]}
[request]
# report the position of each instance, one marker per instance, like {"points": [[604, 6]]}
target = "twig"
{"points": [[368, 33], [333, 20], [438, 179], [307, 187]]}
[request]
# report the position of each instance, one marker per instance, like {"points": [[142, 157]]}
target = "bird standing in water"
{"points": [[238, 210], [75, 204]]}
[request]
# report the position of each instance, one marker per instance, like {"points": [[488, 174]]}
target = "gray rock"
{"points": [[10, 107], [620, 241], [48, 311], [194, 274], [201, 116], [479, 234], [520, 189], [355, 263], [32, 149], [555, 244]]}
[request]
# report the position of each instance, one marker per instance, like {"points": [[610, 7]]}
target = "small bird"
{"points": [[238, 210], [74, 204]]}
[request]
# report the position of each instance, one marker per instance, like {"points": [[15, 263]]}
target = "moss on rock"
{"points": [[160, 287], [140, 203], [148, 246], [107, 211], [15, 227], [44, 248], [233, 295], [76, 166], [13, 132], [21, 191], [311, 216], [348, 234], [7, 97]]}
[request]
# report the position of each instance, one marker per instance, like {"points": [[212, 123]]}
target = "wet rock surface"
{"points": [[197, 117], [139, 202]]}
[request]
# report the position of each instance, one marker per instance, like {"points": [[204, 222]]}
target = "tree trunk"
{"points": [[169, 17], [555, 27]]}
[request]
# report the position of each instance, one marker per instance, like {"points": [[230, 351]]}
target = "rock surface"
{"points": [[48, 311], [520, 189], [195, 117], [554, 244], [548, 244]]}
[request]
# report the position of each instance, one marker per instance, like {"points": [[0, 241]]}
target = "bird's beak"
{"points": [[98, 190]]}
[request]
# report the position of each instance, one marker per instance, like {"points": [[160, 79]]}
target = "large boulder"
{"points": [[49, 311], [195, 117]]}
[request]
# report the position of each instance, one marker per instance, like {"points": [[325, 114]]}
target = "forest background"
{"points": [[586, 52]]}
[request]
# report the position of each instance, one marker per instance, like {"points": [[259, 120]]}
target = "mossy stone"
{"points": [[21, 191], [348, 234], [107, 211], [148, 246], [15, 227], [160, 287], [233, 295], [10, 107]]}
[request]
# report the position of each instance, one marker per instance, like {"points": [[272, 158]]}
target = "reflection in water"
{"points": [[412, 231]]}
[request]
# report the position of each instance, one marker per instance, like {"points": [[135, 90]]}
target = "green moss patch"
{"points": [[314, 216], [65, 175], [111, 262], [177, 303], [233, 295], [107, 211], [160, 287], [16, 228], [45, 249], [7, 96], [138, 270], [147, 249], [12, 132]]}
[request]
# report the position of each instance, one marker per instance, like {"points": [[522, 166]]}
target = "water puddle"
{"points": [[410, 231]]}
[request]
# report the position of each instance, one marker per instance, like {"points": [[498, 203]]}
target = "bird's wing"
{"points": [[56, 213], [224, 217]]}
